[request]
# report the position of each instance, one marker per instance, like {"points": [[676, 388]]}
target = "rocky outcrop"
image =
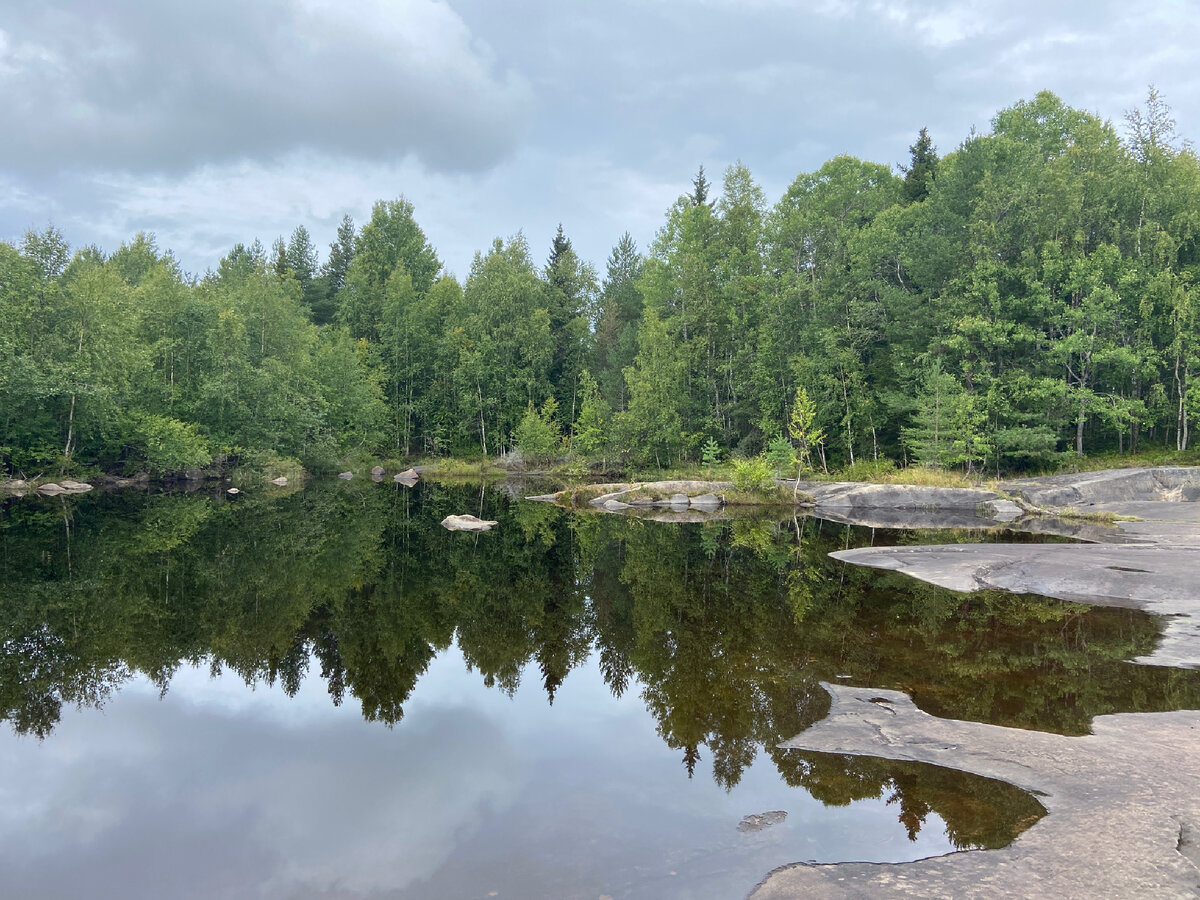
{"points": [[408, 477], [862, 495], [1149, 564], [1123, 803], [1171, 484]]}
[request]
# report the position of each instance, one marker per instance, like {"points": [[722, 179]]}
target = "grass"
{"points": [[1155, 456], [1103, 517]]}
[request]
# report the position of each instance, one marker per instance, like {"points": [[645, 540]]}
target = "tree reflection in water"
{"points": [[725, 628]]}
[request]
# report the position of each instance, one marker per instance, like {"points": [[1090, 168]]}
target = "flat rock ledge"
{"points": [[1123, 805], [858, 503], [1151, 564]]}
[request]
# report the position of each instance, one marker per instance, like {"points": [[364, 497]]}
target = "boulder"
{"points": [[50, 489], [680, 500], [408, 477], [280, 481], [467, 523], [706, 501], [861, 495], [76, 487], [233, 492], [17, 484], [377, 471], [193, 474], [1170, 483], [762, 820], [346, 476], [614, 505]]}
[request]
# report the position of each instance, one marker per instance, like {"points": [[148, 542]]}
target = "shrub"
{"points": [[537, 436], [753, 475], [170, 445]]}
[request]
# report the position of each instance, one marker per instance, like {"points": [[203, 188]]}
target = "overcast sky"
{"points": [[217, 122]]}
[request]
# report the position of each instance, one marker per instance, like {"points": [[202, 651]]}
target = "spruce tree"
{"points": [[921, 170]]}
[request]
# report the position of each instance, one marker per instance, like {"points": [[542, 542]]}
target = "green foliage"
{"points": [[753, 476], [947, 426], [537, 436], [1029, 294], [803, 428], [591, 427], [781, 455], [170, 445], [710, 453]]}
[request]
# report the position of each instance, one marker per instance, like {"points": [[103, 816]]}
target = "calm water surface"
{"points": [[325, 694]]}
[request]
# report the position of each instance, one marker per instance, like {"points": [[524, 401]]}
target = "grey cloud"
{"points": [[135, 86], [595, 115]]}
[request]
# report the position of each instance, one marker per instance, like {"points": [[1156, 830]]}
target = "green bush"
{"points": [[781, 455], [753, 475], [537, 437], [170, 445]]}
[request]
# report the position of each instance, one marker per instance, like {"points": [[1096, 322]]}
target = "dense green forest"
{"points": [[1027, 295]]}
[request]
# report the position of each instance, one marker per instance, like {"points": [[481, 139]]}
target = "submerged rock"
{"points": [[467, 523], [762, 820]]}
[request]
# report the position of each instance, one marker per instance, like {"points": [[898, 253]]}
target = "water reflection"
{"points": [[723, 630]]}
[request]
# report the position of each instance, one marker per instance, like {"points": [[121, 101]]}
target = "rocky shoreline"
{"points": [[1123, 802]]}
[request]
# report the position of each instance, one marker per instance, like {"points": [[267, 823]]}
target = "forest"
{"points": [[1027, 296]]}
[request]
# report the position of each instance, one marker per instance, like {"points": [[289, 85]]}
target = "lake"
{"points": [[320, 692]]}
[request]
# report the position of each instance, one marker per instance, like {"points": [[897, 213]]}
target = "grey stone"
{"points": [[378, 471], [76, 487], [706, 501], [346, 476], [762, 820], [679, 500], [1006, 510], [467, 523], [1123, 804], [280, 481], [861, 495], [613, 505], [408, 477], [1166, 483]]}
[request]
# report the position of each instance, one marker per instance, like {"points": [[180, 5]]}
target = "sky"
{"points": [[213, 123]]}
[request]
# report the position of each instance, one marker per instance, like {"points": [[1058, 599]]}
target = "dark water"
{"points": [[326, 694]]}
